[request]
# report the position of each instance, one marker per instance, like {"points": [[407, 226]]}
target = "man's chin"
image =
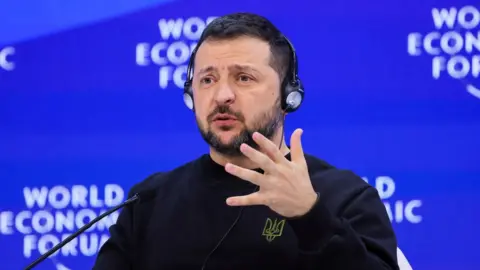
{"points": [[226, 137], [226, 142]]}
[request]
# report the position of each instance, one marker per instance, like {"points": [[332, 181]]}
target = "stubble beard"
{"points": [[266, 123]]}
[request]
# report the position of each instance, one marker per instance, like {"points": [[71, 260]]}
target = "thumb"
{"points": [[298, 156]]}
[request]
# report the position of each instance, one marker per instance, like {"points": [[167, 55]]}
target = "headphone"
{"points": [[291, 90]]}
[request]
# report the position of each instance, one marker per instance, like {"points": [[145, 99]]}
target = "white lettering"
{"points": [[428, 43], [114, 195], [43, 222], [5, 63], [451, 43], [170, 28], [142, 53], [64, 221], [409, 215], [167, 74], [414, 44], [94, 199], [180, 75], [444, 17], [89, 246], [29, 242], [468, 17], [69, 249], [385, 186], [178, 53], [59, 197], [26, 222], [162, 53], [46, 242], [399, 212], [85, 244], [438, 65], [435, 43], [79, 196], [191, 28], [164, 76], [6, 222], [457, 67], [472, 42], [83, 217], [476, 66], [20, 222], [35, 196], [155, 53]]}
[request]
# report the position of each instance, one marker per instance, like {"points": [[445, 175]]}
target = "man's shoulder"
{"points": [[339, 184], [165, 179]]}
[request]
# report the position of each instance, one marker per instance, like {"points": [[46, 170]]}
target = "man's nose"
{"points": [[225, 95]]}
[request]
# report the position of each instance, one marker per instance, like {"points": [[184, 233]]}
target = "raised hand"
{"points": [[285, 186]]}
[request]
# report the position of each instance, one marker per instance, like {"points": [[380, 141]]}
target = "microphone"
{"points": [[142, 196]]}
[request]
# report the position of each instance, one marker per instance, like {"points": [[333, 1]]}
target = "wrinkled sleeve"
{"points": [[360, 237]]}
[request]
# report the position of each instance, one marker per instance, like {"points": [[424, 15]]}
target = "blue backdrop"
{"points": [[90, 104]]}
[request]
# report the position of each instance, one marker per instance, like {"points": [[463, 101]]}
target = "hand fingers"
{"points": [[259, 158], [246, 174], [296, 149], [247, 200], [269, 148]]}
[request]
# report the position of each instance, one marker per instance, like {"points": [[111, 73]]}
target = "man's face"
{"points": [[236, 92]]}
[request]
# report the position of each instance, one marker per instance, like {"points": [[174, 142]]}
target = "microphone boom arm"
{"points": [[67, 240]]}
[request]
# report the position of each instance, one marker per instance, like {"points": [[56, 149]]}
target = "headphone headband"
{"points": [[293, 66]]}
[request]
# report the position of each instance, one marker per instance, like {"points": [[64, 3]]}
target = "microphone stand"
{"points": [[67, 240]]}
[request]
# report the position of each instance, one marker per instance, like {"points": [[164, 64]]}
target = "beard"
{"points": [[266, 123]]}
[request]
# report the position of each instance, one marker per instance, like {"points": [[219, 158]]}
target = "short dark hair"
{"points": [[248, 24]]}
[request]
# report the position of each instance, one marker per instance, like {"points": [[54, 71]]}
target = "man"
{"points": [[253, 202]]}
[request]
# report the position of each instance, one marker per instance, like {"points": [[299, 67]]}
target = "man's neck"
{"points": [[242, 161]]}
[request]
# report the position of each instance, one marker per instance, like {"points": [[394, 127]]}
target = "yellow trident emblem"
{"points": [[273, 229]]}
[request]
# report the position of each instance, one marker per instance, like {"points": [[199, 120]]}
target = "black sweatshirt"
{"points": [[348, 228]]}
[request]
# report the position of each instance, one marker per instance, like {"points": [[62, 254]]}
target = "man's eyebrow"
{"points": [[238, 67], [206, 70], [235, 67]]}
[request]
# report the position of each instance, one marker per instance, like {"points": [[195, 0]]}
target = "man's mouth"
{"points": [[224, 117]]}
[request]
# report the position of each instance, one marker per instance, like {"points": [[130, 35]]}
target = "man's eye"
{"points": [[206, 80], [244, 78]]}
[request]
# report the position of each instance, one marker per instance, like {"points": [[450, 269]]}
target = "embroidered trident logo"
{"points": [[273, 229]]}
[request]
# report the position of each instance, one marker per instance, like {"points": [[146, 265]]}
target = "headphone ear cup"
{"points": [[292, 96], [188, 95]]}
